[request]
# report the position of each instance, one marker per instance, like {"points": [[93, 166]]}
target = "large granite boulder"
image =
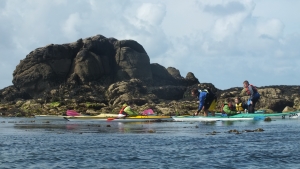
{"points": [[124, 91], [175, 73], [160, 75], [132, 61], [100, 59], [191, 79]]}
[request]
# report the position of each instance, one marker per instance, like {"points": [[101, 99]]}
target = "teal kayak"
{"points": [[238, 117]]}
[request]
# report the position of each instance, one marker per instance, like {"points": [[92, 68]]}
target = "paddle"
{"points": [[110, 119], [120, 116]]}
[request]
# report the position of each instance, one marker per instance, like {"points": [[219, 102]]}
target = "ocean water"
{"points": [[31, 144]]}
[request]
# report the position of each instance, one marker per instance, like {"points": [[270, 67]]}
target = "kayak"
{"points": [[60, 117], [122, 119], [141, 119], [102, 117], [238, 117], [49, 117]]}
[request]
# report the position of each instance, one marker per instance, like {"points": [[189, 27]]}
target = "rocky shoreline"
{"points": [[98, 74]]}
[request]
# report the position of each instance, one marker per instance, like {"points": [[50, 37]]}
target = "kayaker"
{"points": [[239, 105], [122, 112], [129, 109], [228, 107], [207, 101], [253, 93]]}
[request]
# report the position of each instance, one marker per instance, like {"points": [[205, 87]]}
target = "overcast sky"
{"points": [[223, 42]]}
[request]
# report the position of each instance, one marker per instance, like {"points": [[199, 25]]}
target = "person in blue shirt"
{"points": [[207, 101]]}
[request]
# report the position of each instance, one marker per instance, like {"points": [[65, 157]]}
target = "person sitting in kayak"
{"points": [[228, 107], [122, 112], [239, 105], [207, 101], [129, 109], [253, 93]]}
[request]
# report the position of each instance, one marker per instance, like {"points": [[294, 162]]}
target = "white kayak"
{"points": [[100, 117], [60, 117], [239, 117], [49, 117]]}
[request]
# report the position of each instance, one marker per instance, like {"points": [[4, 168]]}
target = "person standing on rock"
{"points": [[207, 101], [253, 93]]}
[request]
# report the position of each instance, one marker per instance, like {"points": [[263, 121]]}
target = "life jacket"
{"points": [[229, 105], [239, 107], [253, 88]]}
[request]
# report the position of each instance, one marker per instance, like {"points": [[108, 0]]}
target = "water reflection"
{"points": [[136, 127]]}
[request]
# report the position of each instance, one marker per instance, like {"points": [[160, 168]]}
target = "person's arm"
{"points": [[251, 92]]}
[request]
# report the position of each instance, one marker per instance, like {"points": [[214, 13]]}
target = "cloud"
{"points": [[213, 39], [152, 14], [270, 29], [228, 8], [70, 27]]}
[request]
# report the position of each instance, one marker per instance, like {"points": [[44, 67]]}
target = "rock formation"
{"points": [[98, 74]]}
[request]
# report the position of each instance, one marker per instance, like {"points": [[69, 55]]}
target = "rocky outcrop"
{"points": [[95, 59], [98, 74]]}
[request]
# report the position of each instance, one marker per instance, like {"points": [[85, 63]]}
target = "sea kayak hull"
{"points": [[127, 119], [202, 118], [238, 117], [141, 119], [49, 117], [101, 117]]}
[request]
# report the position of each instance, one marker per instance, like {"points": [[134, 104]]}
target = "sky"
{"points": [[223, 42]]}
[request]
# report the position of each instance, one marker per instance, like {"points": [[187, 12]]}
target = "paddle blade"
{"points": [[110, 119]]}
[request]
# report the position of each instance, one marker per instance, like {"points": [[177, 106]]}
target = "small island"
{"points": [[97, 75]]}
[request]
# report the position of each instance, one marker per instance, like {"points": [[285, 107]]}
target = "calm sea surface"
{"points": [[27, 143]]}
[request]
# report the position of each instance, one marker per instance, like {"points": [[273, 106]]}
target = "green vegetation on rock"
{"points": [[55, 104]]}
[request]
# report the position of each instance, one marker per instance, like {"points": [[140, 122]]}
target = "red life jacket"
{"points": [[122, 110], [253, 88]]}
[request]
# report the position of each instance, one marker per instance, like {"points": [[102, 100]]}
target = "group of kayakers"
{"points": [[207, 101]]}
